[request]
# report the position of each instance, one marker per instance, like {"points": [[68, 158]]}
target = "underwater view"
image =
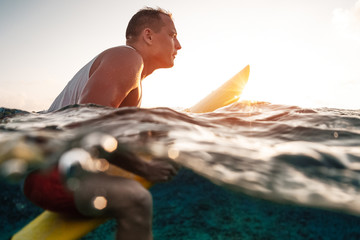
{"points": [[251, 170]]}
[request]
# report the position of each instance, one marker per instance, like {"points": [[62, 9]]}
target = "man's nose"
{"points": [[177, 46]]}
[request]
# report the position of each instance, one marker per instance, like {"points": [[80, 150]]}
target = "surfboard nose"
{"points": [[226, 94]]}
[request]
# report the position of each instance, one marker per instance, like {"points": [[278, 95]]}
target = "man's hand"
{"points": [[160, 170], [156, 170]]}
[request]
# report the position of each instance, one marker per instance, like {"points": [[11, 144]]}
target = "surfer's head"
{"points": [[153, 34], [145, 18]]}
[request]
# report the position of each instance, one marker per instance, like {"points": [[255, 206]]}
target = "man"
{"points": [[113, 78]]}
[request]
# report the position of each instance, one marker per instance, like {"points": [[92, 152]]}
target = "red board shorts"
{"points": [[46, 190]]}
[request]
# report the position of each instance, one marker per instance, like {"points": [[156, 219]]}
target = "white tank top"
{"points": [[72, 92]]}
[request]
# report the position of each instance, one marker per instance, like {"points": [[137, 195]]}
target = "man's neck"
{"points": [[148, 68]]}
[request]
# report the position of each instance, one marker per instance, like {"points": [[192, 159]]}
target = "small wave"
{"points": [[281, 153]]}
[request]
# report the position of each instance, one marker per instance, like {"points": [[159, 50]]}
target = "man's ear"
{"points": [[148, 36]]}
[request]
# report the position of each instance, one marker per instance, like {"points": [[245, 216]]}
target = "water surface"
{"points": [[253, 160]]}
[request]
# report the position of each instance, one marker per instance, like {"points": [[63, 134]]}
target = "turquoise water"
{"points": [[250, 171]]}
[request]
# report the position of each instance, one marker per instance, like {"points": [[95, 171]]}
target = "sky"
{"points": [[301, 52]]}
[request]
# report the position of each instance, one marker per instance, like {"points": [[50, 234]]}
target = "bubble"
{"points": [[109, 143], [73, 157], [100, 202], [106, 141], [158, 149], [101, 164], [173, 153]]}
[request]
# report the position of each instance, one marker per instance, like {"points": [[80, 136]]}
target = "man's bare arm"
{"points": [[159, 170]]}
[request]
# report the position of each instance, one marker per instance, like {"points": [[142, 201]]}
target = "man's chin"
{"points": [[169, 65], [172, 63]]}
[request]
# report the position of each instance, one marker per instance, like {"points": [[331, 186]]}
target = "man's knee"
{"points": [[140, 198], [119, 196]]}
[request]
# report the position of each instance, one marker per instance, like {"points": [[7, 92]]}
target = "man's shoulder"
{"points": [[121, 52], [119, 60], [121, 57]]}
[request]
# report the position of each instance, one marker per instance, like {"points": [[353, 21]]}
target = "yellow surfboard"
{"points": [[54, 226], [226, 94]]}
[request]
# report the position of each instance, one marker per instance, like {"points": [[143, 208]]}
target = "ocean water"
{"points": [[252, 170]]}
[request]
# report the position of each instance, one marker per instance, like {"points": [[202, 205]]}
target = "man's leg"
{"points": [[120, 198]]}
